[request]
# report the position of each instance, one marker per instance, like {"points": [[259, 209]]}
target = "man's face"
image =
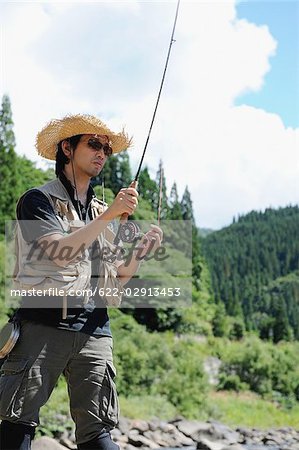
{"points": [[91, 154]]}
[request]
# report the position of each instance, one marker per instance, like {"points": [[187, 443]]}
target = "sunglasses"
{"points": [[95, 144]]}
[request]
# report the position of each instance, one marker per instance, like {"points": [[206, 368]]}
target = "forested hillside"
{"points": [[255, 271]]}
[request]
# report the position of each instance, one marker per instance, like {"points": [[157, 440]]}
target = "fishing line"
{"points": [[159, 94], [160, 194], [123, 233]]}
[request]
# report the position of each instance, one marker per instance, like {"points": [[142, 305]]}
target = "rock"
{"points": [[180, 433], [46, 443], [180, 438], [167, 427], [176, 419], [124, 425], [271, 442], [272, 439], [140, 425], [123, 439], [206, 444], [61, 418], [211, 366], [185, 448], [157, 437], [224, 433], [72, 436], [133, 432], [170, 436], [193, 429], [115, 433], [121, 445], [245, 435], [153, 425], [66, 442], [234, 447], [140, 441]]}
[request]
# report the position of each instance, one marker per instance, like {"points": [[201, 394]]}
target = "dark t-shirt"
{"points": [[91, 318]]}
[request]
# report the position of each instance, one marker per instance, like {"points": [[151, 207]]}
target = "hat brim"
{"points": [[59, 129]]}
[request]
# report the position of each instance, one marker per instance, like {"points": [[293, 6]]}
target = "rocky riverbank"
{"points": [[184, 434]]}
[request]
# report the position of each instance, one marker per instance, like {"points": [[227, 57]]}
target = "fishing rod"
{"points": [[127, 231], [160, 192]]}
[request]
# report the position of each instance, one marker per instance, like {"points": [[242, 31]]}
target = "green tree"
{"points": [[9, 179], [147, 187], [31, 176], [186, 206], [125, 169], [175, 212], [281, 327], [197, 259], [237, 328], [219, 322], [161, 197]]}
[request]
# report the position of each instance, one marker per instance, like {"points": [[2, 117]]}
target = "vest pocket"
{"points": [[13, 385], [109, 405]]}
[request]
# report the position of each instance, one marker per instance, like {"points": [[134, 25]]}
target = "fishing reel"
{"points": [[127, 232]]}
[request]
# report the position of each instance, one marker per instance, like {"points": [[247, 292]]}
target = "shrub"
{"points": [[264, 367], [158, 364]]}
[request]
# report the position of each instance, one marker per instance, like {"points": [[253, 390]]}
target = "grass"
{"points": [[249, 410], [147, 407]]}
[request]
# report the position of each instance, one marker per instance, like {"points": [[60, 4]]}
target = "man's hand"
{"points": [[150, 241], [126, 201]]}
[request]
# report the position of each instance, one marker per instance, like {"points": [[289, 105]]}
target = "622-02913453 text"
{"points": [[142, 292]]}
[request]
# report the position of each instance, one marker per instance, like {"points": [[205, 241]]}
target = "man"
{"points": [[59, 226]]}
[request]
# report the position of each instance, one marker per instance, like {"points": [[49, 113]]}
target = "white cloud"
{"points": [[107, 59]]}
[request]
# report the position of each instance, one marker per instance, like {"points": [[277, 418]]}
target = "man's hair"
{"points": [[61, 158]]}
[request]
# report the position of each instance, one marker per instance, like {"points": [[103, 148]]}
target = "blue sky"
{"points": [[236, 152], [280, 92]]}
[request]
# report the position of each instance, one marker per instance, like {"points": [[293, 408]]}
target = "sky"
{"points": [[227, 121]]}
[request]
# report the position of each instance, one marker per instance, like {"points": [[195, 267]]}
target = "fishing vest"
{"points": [[35, 269]]}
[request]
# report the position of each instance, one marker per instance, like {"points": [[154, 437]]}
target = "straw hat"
{"points": [[58, 129]]}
